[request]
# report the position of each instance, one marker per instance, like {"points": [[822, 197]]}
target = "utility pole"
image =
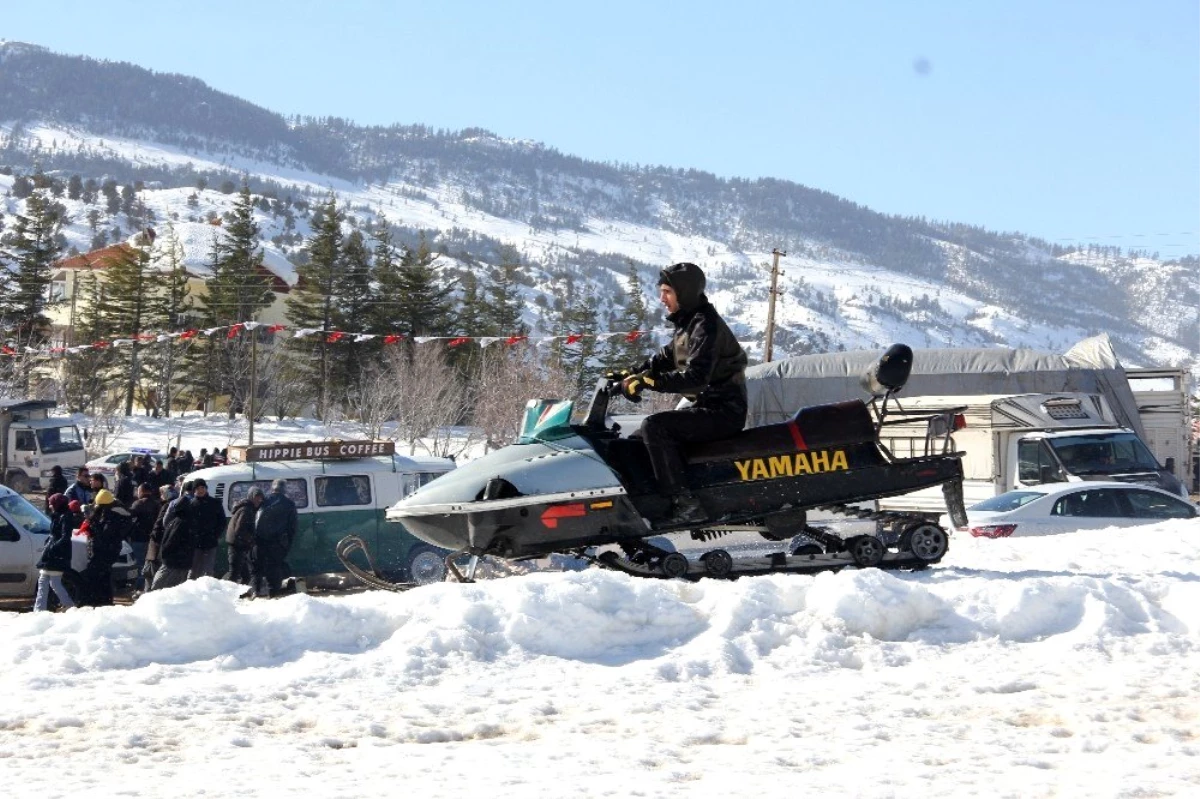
{"points": [[253, 331], [775, 273], [70, 337]]}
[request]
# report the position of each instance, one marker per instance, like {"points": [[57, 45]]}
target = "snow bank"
{"points": [[1018, 667]]}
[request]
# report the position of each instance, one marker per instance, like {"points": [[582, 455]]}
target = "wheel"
{"points": [[18, 481], [674, 565], [426, 565], [928, 542], [719, 563], [867, 551]]}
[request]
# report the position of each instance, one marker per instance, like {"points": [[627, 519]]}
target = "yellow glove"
{"points": [[632, 386]]}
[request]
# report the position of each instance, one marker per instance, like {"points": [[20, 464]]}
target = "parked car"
{"points": [[23, 531], [1067, 507], [107, 464]]}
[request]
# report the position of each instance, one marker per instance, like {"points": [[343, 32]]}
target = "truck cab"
{"points": [[1097, 454], [1013, 441], [32, 444]]}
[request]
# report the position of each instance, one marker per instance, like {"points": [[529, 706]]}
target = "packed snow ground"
{"points": [[1064, 665]]}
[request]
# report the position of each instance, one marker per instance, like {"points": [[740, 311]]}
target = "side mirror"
{"points": [[890, 373]]}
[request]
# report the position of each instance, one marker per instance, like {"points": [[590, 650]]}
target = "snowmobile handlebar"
{"points": [[604, 391]]}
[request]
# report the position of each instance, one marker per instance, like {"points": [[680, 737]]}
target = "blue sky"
{"points": [[1070, 120]]}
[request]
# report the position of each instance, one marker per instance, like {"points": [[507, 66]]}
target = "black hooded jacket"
{"points": [[704, 361]]}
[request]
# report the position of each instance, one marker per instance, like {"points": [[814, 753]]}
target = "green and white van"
{"points": [[336, 498]]}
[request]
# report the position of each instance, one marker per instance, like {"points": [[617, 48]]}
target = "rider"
{"points": [[705, 363]]}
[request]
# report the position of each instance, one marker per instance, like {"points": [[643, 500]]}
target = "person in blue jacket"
{"points": [[56, 557]]}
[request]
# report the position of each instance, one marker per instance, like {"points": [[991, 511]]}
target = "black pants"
{"points": [[664, 433], [97, 579], [269, 564], [241, 565]]}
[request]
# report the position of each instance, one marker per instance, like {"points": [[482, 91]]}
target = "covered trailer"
{"points": [[776, 390]]}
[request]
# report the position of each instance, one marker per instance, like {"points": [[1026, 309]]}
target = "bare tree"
{"points": [[431, 396], [375, 399], [504, 381], [108, 423], [285, 387]]}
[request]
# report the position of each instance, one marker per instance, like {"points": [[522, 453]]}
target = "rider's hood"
{"points": [[688, 282]]}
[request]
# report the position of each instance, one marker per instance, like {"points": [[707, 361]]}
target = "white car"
{"points": [[23, 531], [107, 464], [1066, 507]]}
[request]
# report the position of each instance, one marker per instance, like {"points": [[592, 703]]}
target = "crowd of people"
{"points": [[172, 524]]}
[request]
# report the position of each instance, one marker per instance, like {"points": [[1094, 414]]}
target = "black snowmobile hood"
{"points": [[688, 282]]}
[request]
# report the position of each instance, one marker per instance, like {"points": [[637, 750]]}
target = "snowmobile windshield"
{"points": [[1111, 453], [546, 420], [16, 507], [59, 439]]}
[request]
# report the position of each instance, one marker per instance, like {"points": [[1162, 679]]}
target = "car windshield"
{"points": [[29, 517], [1009, 501], [59, 439], [1110, 453]]}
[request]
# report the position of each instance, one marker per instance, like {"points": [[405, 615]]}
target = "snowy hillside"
{"points": [[852, 278]]}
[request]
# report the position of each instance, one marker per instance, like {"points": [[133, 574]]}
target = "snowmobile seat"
{"points": [[813, 428]]}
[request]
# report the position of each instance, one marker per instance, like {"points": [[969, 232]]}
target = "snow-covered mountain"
{"points": [[852, 278]]}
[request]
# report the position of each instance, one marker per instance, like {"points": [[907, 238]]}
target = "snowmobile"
{"points": [[579, 488]]}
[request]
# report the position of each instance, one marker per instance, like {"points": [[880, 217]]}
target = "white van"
{"points": [[336, 498], [23, 532]]}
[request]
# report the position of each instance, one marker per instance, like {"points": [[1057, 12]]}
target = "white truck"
{"points": [[1019, 440], [32, 444]]}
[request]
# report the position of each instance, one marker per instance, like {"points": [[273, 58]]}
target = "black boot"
{"points": [[685, 509]]}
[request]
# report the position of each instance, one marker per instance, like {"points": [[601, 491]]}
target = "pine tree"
{"points": [[134, 297], [503, 304], [87, 374], [472, 308], [169, 315], [311, 303], [352, 303], [575, 317], [423, 305], [624, 353], [240, 286], [384, 317], [32, 253], [238, 291]]}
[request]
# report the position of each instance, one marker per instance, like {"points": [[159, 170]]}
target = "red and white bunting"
{"points": [[340, 337]]}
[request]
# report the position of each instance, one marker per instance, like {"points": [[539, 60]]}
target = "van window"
{"points": [[7, 531], [1032, 458], [296, 490], [341, 490], [26, 441], [429, 476]]}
